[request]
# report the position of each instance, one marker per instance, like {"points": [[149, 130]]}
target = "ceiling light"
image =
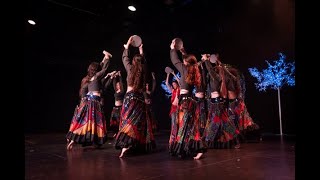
{"points": [[131, 8], [31, 22]]}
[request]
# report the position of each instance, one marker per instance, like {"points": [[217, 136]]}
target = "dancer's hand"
{"points": [[141, 49], [153, 75], [205, 57], [172, 45], [107, 54], [126, 46]]}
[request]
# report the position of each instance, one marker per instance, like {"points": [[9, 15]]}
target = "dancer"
{"points": [[148, 93], [188, 140], [237, 108], [88, 126], [220, 131], [175, 92], [115, 118], [135, 131]]}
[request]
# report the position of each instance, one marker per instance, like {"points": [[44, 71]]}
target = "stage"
{"points": [[46, 157]]}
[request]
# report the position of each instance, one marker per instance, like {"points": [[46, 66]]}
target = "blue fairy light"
{"points": [[278, 74]]}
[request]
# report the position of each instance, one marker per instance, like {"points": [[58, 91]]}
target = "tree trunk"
{"points": [[279, 102]]}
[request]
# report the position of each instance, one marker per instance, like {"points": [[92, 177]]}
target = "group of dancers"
{"points": [[207, 106]]}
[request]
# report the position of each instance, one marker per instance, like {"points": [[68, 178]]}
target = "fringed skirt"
{"points": [[243, 120], [220, 130], [135, 130], [201, 113], [115, 119], [188, 141], [88, 125]]}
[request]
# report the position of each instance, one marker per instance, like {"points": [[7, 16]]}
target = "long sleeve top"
{"points": [[181, 68], [214, 78], [95, 85]]}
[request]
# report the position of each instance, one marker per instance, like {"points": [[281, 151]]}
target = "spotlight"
{"points": [[31, 22], [131, 8]]}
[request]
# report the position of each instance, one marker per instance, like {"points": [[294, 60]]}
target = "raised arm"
{"points": [[210, 68], [125, 60], [121, 82], [177, 78], [105, 64], [125, 55], [174, 57], [167, 82], [106, 81], [141, 49], [175, 60], [211, 71]]}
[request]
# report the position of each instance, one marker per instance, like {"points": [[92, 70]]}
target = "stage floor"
{"points": [[46, 157]]}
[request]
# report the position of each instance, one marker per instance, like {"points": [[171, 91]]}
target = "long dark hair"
{"points": [[137, 76]]}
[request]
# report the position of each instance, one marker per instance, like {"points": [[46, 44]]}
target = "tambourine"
{"points": [[136, 41], [213, 58], [178, 43], [168, 70]]}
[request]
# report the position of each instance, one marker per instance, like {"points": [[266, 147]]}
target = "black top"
{"points": [[95, 85], [147, 95], [214, 78], [181, 68]]}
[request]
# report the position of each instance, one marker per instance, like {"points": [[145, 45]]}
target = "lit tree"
{"points": [[275, 77]]}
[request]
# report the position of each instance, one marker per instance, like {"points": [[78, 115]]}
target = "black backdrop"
{"points": [[70, 34]]}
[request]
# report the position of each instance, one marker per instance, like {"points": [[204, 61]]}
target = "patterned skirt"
{"points": [[88, 125], [244, 123], [115, 119], [241, 116], [135, 130], [220, 130], [201, 113], [188, 140]]}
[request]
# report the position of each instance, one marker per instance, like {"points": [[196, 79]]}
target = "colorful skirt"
{"points": [[201, 113], [238, 111], [188, 140], [220, 130], [115, 119], [242, 118], [135, 130], [88, 125]]}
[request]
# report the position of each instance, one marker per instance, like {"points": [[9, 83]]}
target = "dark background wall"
{"points": [[70, 34]]}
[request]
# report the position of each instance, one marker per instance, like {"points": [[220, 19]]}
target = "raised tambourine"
{"points": [[136, 41], [168, 70], [213, 58], [178, 43]]}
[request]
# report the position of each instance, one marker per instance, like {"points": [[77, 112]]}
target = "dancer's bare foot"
{"points": [[198, 156], [123, 151], [70, 145]]}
